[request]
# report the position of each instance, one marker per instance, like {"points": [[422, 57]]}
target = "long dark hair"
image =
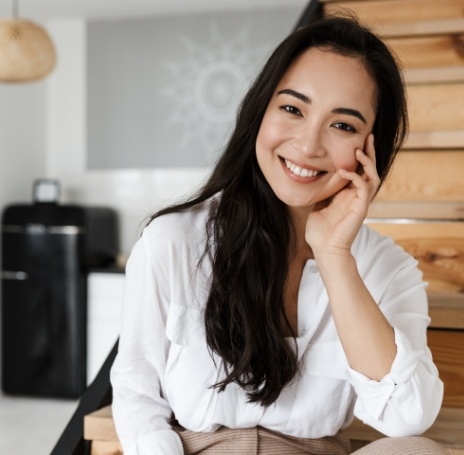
{"points": [[249, 231]]}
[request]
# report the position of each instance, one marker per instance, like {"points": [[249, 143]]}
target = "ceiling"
{"points": [[102, 9]]}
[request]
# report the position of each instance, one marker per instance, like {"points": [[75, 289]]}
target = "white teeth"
{"points": [[297, 170]]}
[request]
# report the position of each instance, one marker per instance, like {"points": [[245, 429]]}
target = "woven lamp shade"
{"points": [[26, 51]]}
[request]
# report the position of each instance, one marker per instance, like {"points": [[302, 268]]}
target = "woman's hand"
{"points": [[367, 337], [334, 223]]}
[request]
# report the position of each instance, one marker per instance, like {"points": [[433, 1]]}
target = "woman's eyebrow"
{"points": [[307, 100], [349, 111], [300, 96]]}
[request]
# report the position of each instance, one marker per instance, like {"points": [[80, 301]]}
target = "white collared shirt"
{"points": [[164, 368]]}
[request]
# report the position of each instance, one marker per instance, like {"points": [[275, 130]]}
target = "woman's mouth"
{"points": [[299, 171]]}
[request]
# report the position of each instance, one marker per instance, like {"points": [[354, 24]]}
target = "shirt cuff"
{"points": [[373, 396]]}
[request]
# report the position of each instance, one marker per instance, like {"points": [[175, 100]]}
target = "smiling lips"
{"points": [[299, 171]]}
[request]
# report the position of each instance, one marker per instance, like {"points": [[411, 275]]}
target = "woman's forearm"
{"points": [[366, 336]]}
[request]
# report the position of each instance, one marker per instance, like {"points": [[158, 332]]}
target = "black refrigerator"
{"points": [[47, 251]]}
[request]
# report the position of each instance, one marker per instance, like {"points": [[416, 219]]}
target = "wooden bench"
{"points": [[448, 430]]}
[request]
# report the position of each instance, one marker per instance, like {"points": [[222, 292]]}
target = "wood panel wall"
{"points": [[421, 205]]}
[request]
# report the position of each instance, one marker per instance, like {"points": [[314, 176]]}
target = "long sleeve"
{"points": [[407, 400], [141, 412]]}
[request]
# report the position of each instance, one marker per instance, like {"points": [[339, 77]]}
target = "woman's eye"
{"points": [[344, 126], [291, 109]]}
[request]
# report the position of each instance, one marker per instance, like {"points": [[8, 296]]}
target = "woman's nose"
{"points": [[310, 141]]}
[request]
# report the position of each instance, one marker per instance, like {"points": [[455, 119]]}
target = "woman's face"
{"points": [[321, 112]]}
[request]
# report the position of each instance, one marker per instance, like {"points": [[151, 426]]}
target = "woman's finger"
{"points": [[364, 185], [370, 148], [369, 169]]}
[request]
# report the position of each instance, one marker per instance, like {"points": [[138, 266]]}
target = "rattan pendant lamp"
{"points": [[26, 51]]}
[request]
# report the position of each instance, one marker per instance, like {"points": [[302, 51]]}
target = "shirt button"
{"points": [[313, 269]]}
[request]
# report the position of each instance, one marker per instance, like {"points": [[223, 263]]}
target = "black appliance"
{"points": [[47, 250]]}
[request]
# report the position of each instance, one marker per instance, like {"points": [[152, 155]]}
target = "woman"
{"points": [[262, 314]]}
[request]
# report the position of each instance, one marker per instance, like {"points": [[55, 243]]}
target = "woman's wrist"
{"points": [[336, 264], [334, 256]]}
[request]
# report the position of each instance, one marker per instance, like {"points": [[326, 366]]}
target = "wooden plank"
{"points": [[428, 51], [434, 140], [99, 425], [432, 176], [430, 27], [426, 231], [446, 310], [421, 210], [446, 430], [438, 247], [442, 74], [106, 448], [435, 107], [377, 12], [447, 348]]}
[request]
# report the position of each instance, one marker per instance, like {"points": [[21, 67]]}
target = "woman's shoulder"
{"points": [[386, 268], [178, 225], [174, 238]]}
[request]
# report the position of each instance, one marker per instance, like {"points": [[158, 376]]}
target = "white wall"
{"points": [[22, 140], [135, 194]]}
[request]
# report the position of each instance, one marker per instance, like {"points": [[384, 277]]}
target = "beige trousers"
{"points": [[259, 441]]}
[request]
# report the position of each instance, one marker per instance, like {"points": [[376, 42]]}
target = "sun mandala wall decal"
{"points": [[207, 87]]}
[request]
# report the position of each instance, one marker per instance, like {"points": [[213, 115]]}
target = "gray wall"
{"points": [[163, 91]]}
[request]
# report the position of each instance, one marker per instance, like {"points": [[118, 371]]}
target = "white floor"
{"points": [[32, 425]]}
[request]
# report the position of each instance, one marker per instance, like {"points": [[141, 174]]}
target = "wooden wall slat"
{"points": [[424, 28], [435, 107], [387, 11], [422, 210], [434, 140], [447, 348], [446, 310], [442, 74], [425, 176], [428, 51], [438, 247]]}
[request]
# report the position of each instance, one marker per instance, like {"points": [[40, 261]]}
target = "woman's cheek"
{"points": [[269, 134], [347, 161]]}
